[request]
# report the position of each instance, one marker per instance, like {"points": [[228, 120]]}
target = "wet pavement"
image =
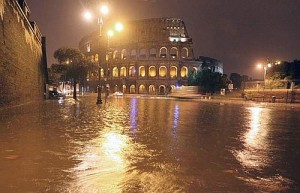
{"points": [[140, 144]]}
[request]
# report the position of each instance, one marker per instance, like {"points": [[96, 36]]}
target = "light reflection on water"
{"points": [[102, 165], [257, 152], [148, 145]]}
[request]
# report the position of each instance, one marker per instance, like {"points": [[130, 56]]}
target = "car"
{"points": [[55, 95], [118, 94]]}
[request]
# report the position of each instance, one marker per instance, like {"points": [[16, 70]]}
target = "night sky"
{"points": [[239, 33]]}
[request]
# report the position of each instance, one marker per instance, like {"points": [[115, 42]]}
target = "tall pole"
{"points": [[99, 88]]}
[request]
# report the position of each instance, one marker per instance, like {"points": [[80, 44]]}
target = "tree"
{"points": [[73, 64], [208, 81], [274, 81], [236, 80]]}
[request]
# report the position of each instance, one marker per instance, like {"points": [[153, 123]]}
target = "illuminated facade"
{"points": [[150, 56]]}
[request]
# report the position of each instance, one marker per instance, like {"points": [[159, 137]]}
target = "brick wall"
{"points": [[21, 62]]}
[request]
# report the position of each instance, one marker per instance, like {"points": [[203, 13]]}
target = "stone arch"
{"points": [[142, 89], [115, 72], [194, 70], [174, 52], [143, 53], [163, 52], [173, 72], [132, 89], [152, 71], [142, 71], [172, 88], [152, 89], [152, 53], [102, 72], [116, 54], [133, 53], [124, 88], [131, 71], [124, 54], [123, 72], [185, 52], [162, 71], [184, 72], [162, 89]]}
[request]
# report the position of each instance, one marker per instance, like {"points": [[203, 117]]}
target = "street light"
{"points": [[88, 16], [265, 67]]}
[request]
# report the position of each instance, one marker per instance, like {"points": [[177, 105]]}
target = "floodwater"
{"points": [[149, 145]]}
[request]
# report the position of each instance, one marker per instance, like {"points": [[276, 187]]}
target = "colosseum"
{"points": [[150, 56]]}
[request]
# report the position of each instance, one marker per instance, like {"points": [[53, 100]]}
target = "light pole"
{"points": [[103, 11], [265, 67], [110, 33]]}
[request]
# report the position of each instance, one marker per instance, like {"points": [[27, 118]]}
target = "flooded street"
{"points": [[149, 145]]}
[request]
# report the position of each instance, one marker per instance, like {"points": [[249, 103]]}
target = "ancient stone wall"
{"points": [[21, 62]]}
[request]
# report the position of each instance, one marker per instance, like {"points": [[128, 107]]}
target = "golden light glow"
{"points": [[255, 153], [269, 65], [104, 9], [119, 27], [259, 65], [113, 146], [110, 33], [88, 15]]}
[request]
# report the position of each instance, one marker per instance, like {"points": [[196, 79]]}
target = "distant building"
{"points": [[22, 55], [151, 56], [210, 63]]}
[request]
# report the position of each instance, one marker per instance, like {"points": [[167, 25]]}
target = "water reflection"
{"points": [[133, 114], [102, 165], [146, 145], [256, 142], [257, 152]]}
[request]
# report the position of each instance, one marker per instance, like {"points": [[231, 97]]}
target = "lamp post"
{"points": [[103, 11], [111, 33], [265, 67]]}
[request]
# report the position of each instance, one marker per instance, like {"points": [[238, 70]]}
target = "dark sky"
{"points": [[238, 32]]}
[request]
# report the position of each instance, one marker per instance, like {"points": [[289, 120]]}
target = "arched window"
{"points": [[152, 53], [194, 70], [172, 88], [163, 52], [131, 71], [115, 72], [142, 71], [185, 52], [143, 53], [132, 89], [123, 72], [92, 58], [124, 88], [162, 89], [96, 58], [173, 72], [152, 89], [116, 55], [102, 72], [184, 72], [174, 52], [142, 89], [124, 54], [162, 71], [152, 71], [133, 53]]}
